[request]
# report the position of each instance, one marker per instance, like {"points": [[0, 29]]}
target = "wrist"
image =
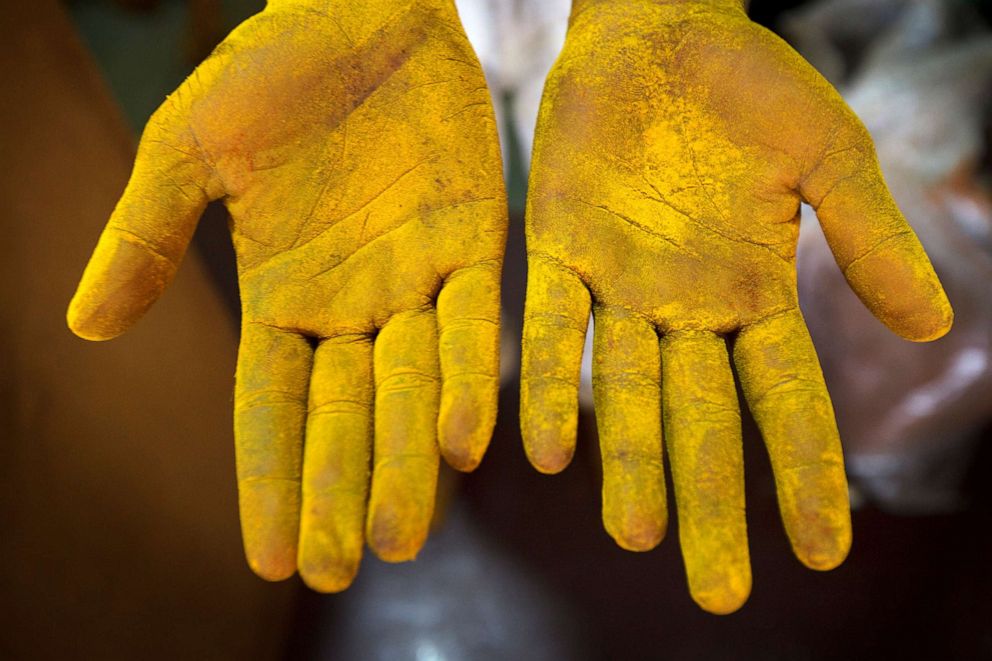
{"points": [[737, 5], [368, 4], [364, 16]]}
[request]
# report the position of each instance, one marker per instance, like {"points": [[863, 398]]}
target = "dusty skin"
{"points": [[675, 143], [355, 147]]}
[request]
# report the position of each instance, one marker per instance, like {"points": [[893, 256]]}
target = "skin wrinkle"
{"points": [[369, 237], [875, 248], [297, 244], [144, 243], [632, 223], [339, 406], [701, 132]]}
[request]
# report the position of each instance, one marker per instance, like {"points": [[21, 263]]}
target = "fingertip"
{"points": [[395, 553], [720, 586], [725, 600], [464, 457], [920, 313], [897, 282], [825, 551], [465, 427], [119, 285], [823, 559], [820, 532], [327, 583], [84, 325], [270, 526], [397, 530], [718, 567], [549, 425], [934, 325], [272, 563], [390, 545], [547, 453], [634, 505], [97, 320], [329, 553], [637, 534], [322, 575]]}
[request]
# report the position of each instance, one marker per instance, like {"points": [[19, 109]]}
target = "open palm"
{"points": [[675, 144], [355, 148]]}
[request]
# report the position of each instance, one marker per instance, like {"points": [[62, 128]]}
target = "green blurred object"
{"points": [[144, 54]]}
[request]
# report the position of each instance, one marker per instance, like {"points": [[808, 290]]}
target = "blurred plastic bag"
{"points": [[517, 41], [908, 413]]}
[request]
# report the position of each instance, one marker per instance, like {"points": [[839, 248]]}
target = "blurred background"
{"points": [[118, 502]]}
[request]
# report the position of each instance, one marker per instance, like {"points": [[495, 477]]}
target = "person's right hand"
{"points": [[355, 147], [675, 144]]}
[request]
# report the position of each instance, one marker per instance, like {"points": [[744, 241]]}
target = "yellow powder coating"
{"points": [[355, 147], [626, 375], [675, 143]]}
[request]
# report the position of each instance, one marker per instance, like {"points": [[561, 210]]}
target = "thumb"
{"points": [[875, 247], [142, 245]]}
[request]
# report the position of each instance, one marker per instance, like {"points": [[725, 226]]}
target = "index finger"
{"points": [[468, 347], [781, 379], [404, 476], [627, 391], [556, 314]]}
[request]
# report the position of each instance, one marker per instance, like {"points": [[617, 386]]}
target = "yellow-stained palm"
{"points": [[675, 144], [355, 147]]}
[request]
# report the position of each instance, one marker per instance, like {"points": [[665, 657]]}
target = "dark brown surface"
{"points": [[120, 536]]}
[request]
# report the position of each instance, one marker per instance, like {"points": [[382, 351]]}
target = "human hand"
{"points": [[355, 148], [675, 144]]}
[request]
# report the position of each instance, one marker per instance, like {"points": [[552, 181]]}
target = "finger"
{"points": [[627, 391], [270, 400], [784, 388], [145, 240], [556, 315], [875, 247], [336, 463], [703, 432], [468, 342], [404, 478]]}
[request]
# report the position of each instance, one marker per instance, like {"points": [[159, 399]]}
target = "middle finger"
{"points": [[407, 397], [703, 428]]}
